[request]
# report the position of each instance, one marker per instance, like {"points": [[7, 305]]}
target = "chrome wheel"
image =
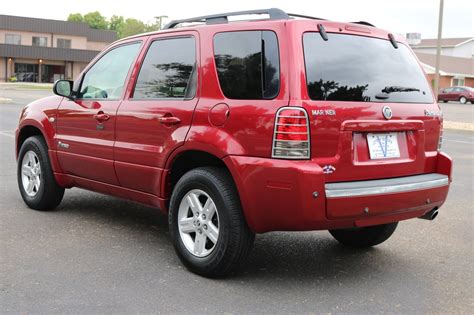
{"points": [[31, 173], [463, 100], [198, 223]]}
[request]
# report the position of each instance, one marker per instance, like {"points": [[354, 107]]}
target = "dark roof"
{"points": [[445, 42], [449, 64], [47, 53], [27, 24]]}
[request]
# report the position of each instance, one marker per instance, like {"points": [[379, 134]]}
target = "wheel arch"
{"points": [[32, 127], [183, 162], [26, 131]]}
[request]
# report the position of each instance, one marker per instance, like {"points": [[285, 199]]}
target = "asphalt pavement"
{"points": [[99, 254]]}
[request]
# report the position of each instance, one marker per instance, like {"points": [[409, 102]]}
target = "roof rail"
{"points": [[274, 14], [305, 16], [363, 23]]}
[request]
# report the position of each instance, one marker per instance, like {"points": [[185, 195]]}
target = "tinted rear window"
{"points": [[248, 64], [168, 70], [356, 68]]}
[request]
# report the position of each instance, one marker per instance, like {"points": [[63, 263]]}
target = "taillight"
{"points": [[291, 135], [440, 140]]}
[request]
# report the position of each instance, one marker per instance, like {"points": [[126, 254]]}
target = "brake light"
{"points": [[291, 135]]}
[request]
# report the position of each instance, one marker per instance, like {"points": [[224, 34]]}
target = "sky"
{"points": [[397, 16]]}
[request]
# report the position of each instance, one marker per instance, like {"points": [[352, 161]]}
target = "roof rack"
{"points": [[222, 18], [274, 14], [305, 16]]}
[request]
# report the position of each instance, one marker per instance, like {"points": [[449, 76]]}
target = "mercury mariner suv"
{"points": [[284, 122]]}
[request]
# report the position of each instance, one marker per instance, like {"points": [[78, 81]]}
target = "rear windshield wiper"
{"points": [[394, 88], [390, 89]]}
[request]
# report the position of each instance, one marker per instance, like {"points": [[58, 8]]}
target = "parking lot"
{"points": [[100, 254]]}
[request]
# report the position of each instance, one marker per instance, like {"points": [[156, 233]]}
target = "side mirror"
{"points": [[63, 88]]}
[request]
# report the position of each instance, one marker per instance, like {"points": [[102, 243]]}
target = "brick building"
{"points": [[42, 50]]}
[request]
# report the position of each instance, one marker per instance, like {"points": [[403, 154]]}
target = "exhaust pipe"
{"points": [[430, 215]]}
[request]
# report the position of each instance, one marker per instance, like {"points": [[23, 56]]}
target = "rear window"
{"points": [[357, 69], [248, 64]]}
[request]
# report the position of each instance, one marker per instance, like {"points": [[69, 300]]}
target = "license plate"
{"points": [[383, 145]]}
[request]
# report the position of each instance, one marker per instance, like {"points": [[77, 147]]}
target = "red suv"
{"points": [[284, 123], [463, 94]]}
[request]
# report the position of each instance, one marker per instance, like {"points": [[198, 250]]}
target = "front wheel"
{"points": [[36, 182], [463, 100], [207, 226], [366, 236]]}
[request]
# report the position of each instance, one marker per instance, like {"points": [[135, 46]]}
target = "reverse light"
{"points": [[440, 140], [291, 135]]}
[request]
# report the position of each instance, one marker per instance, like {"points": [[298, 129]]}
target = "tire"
{"points": [[33, 162], [445, 101], [463, 100], [364, 237], [206, 254]]}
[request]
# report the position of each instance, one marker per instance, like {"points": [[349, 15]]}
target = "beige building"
{"points": [[456, 62], [41, 50]]}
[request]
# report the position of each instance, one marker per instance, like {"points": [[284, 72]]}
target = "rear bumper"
{"points": [[385, 186], [293, 195]]}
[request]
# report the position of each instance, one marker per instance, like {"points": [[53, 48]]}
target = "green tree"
{"points": [[96, 20], [116, 23], [132, 27], [75, 17]]}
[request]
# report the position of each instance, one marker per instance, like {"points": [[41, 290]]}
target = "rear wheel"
{"points": [[36, 182], [207, 226], [366, 236], [463, 100]]}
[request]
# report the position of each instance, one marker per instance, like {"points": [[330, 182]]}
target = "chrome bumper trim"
{"points": [[385, 186]]}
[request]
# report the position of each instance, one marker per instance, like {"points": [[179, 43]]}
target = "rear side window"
{"points": [[357, 68], [169, 70], [248, 64]]}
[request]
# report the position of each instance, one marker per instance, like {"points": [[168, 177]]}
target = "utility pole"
{"points": [[160, 19], [438, 47]]}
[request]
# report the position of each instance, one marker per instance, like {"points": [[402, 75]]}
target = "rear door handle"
{"points": [[101, 117], [169, 120]]}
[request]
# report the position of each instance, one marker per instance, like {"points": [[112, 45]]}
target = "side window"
{"points": [[106, 78], [248, 64], [169, 70]]}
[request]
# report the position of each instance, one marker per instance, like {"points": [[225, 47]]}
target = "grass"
{"points": [[28, 86]]}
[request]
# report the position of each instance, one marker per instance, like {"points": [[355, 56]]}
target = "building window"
{"points": [[26, 72], [458, 82], [63, 43], [40, 41], [13, 39]]}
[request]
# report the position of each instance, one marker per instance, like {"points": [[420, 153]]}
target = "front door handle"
{"points": [[101, 117], [169, 120]]}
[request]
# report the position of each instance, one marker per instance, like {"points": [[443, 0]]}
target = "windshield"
{"points": [[362, 69]]}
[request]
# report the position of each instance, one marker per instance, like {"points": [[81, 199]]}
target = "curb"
{"points": [[5, 100], [458, 125]]}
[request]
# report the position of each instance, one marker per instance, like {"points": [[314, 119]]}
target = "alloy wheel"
{"points": [[31, 173], [198, 223]]}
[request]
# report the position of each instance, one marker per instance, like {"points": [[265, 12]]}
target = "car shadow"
{"points": [[295, 256]]}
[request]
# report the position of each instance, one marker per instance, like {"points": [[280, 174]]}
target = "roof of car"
{"points": [[273, 14]]}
